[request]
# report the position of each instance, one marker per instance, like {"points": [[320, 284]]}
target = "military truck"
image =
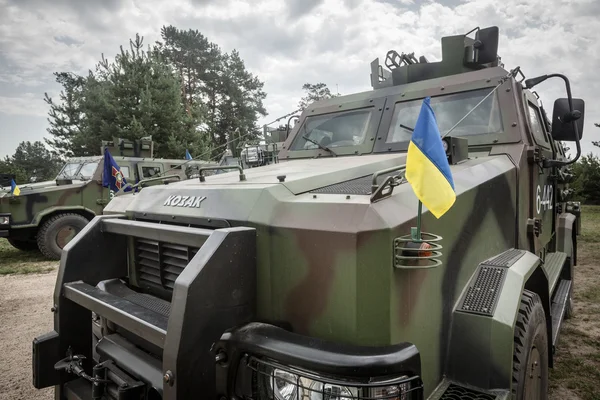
{"points": [[301, 279], [47, 215]]}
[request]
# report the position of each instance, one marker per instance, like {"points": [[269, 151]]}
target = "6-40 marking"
{"points": [[545, 201]]}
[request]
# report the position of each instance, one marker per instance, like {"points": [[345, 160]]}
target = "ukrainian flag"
{"points": [[427, 168], [14, 189]]}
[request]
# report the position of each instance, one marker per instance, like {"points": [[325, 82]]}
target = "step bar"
{"points": [[132, 317], [558, 308]]}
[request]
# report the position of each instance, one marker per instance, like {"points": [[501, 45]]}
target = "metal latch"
{"points": [[534, 226]]}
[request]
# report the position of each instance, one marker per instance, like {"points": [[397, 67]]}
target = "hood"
{"points": [[38, 187], [327, 187]]}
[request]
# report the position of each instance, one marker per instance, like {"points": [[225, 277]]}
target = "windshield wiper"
{"points": [[319, 145], [407, 128]]}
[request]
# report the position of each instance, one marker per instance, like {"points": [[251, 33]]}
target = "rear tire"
{"points": [[530, 358], [23, 245], [57, 231]]}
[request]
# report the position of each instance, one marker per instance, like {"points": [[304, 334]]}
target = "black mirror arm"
{"points": [[572, 116]]}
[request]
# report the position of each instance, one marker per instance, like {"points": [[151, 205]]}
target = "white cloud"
{"points": [[288, 44], [27, 105]]}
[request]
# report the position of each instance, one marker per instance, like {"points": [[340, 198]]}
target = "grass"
{"points": [[577, 360], [14, 261]]}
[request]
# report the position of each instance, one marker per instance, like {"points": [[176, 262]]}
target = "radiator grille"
{"points": [[159, 263]]}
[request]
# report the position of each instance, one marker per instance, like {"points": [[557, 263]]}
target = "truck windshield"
{"points": [[87, 170], [69, 170], [333, 130], [449, 109]]}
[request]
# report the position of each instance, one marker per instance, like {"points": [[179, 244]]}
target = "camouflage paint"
{"points": [[325, 261]]}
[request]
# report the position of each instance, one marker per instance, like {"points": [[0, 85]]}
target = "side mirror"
{"points": [[562, 118], [486, 45]]}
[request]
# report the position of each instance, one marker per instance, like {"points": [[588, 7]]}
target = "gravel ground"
{"points": [[25, 302]]}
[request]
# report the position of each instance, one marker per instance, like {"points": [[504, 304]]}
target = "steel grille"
{"points": [[159, 263], [455, 392], [358, 186], [506, 259], [482, 295], [298, 382]]}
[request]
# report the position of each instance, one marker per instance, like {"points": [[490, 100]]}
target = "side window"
{"points": [[150, 171], [125, 171], [536, 127]]}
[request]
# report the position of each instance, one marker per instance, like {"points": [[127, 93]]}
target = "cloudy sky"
{"points": [[288, 43]]}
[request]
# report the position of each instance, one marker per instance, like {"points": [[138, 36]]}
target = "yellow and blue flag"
{"points": [[427, 168], [187, 155], [14, 189]]}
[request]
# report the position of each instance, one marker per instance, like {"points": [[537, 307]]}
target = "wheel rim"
{"points": [[533, 377], [65, 235]]}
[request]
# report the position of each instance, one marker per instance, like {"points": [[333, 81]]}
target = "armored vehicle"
{"points": [[300, 279], [47, 215]]}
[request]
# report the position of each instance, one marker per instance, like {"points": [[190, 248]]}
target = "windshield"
{"points": [[448, 111], [333, 130], [69, 170], [87, 170], [78, 170]]}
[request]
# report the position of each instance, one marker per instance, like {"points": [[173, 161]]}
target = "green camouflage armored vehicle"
{"points": [[299, 280], [47, 215]]}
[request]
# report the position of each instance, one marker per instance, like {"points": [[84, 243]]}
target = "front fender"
{"points": [[482, 330]]}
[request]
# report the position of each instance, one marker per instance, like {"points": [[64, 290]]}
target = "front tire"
{"points": [[57, 231], [530, 358], [23, 245]]}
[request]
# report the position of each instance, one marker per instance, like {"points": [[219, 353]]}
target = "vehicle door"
{"points": [[543, 198]]}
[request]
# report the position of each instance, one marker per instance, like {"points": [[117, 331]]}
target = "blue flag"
{"points": [[187, 155], [112, 177], [427, 168]]}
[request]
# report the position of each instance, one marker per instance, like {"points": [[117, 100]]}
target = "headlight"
{"points": [[328, 391], [4, 220], [286, 384]]}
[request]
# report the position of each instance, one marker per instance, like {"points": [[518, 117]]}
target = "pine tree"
{"points": [[218, 84], [136, 95], [65, 118], [314, 92], [31, 160]]}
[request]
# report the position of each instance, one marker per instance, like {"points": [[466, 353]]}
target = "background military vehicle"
{"points": [[47, 215], [301, 280]]}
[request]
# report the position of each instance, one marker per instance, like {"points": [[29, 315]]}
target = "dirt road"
{"points": [[25, 302]]}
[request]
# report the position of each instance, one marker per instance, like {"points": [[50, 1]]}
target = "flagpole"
{"points": [[415, 233], [419, 220]]}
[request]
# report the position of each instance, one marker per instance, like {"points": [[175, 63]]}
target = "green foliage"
{"points": [[31, 160], [217, 84], [136, 95], [587, 179], [314, 92], [65, 117]]}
